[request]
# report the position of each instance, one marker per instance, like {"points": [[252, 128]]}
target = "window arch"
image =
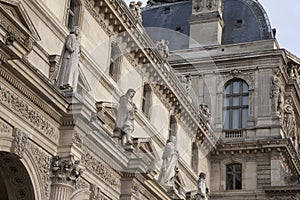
{"points": [[235, 104], [146, 100], [73, 14], [234, 176], [115, 61]]}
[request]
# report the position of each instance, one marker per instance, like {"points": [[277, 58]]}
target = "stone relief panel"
{"points": [[43, 161], [20, 142], [104, 173], [4, 127], [21, 108]]}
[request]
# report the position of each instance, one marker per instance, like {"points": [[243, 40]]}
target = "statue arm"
{"points": [[69, 44]]}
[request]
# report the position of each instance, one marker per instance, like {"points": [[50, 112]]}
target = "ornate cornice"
{"points": [[117, 15]]}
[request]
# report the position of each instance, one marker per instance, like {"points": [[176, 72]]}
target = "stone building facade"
{"points": [[60, 143], [248, 84]]}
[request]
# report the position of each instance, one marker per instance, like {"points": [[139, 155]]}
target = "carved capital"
{"points": [[20, 142], [65, 171]]}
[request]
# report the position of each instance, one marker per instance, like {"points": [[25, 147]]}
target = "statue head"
{"points": [[75, 30], [202, 175], [172, 139], [130, 93]]}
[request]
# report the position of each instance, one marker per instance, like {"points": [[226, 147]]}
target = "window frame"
{"points": [[74, 12], [234, 173], [229, 106], [146, 100], [115, 61]]}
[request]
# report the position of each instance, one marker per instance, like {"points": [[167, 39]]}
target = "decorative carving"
{"points": [[43, 160], [289, 197], [53, 60], [19, 142], [101, 170], [246, 76], [98, 18], [77, 141], [4, 127], [9, 38], [65, 171], [211, 4], [198, 5], [205, 111], [20, 107], [277, 93], [186, 80], [163, 48], [135, 9], [95, 192]]}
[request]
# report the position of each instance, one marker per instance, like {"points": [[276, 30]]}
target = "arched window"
{"points": [[73, 14], [146, 100], [115, 62], [234, 176], [235, 105]]}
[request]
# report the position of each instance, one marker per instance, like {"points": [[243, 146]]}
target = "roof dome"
{"points": [[244, 21]]}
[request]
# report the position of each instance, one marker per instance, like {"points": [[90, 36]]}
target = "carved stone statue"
{"points": [[170, 164], [186, 80], [289, 121], [202, 188], [277, 97], [135, 8], [125, 115], [67, 76], [205, 111], [163, 49]]}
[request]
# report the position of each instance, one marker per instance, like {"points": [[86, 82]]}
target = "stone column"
{"points": [[64, 176]]}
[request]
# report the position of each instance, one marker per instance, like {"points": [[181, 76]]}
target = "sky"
{"points": [[284, 15]]}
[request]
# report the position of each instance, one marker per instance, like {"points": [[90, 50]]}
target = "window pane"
{"points": [[227, 89], [235, 118], [236, 87], [245, 118], [70, 21], [245, 87], [226, 102], [236, 101], [226, 119], [245, 100]]}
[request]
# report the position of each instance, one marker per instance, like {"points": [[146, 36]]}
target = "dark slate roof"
{"points": [[244, 21], [169, 21]]}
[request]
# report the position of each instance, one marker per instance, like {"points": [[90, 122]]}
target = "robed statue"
{"points": [[67, 76], [125, 116], [170, 164], [202, 187]]}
